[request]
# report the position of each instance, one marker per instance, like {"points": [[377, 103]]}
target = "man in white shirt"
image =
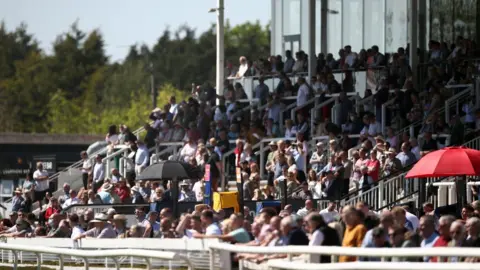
{"points": [[303, 90], [98, 174], [42, 184], [351, 57], [316, 236], [75, 224], [330, 214], [141, 157], [305, 210], [72, 200]]}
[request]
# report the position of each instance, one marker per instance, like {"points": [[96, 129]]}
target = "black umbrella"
{"points": [[170, 169]]}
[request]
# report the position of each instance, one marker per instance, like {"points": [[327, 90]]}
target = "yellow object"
{"points": [[224, 200]]}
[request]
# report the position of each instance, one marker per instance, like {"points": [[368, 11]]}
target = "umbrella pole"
{"points": [[461, 189], [174, 188]]}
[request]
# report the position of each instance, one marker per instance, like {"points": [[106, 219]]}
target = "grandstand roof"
{"points": [[41, 138]]}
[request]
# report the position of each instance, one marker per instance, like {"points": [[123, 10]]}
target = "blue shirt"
{"points": [[142, 156], [429, 243]]}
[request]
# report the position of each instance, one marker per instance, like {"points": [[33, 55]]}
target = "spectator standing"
{"points": [[42, 184], [98, 174], [141, 157], [86, 168]]}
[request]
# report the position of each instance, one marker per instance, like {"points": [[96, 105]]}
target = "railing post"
{"points": [[381, 187], [262, 158], [447, 111], [157, 149], [384, 116]]}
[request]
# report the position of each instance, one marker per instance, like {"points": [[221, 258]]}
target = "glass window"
{"points": [[278, 36], [352, 25], [291, 17], [465, 18], [374, 24], [396, 24], [441, 26], [334, 31]]}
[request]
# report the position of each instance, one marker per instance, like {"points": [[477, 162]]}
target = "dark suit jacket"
{"points": [[333, 190]]}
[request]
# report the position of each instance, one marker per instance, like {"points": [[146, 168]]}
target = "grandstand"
{"points": [[295, 140]]}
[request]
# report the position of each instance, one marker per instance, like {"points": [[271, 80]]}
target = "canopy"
{"points": [[450, 161], [170, 169]]}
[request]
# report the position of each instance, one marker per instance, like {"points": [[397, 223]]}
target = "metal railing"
{"points": [[86, 255], [224, 251]]}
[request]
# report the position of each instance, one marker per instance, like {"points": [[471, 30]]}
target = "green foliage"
{"points": [[77, 89]]}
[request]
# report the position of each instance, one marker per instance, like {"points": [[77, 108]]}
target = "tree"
{"points": [[77, 90]]}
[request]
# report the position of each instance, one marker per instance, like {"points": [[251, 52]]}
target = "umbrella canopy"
{"points": [[169, 169], [450, 161]]}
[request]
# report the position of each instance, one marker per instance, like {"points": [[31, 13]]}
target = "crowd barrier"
{"points": [[217, 255]]}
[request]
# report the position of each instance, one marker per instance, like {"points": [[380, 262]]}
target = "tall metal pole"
{"points": [[311, 41], [152, 87], [220, 47]]}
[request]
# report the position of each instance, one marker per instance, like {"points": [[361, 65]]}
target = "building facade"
{"points": [[364, 23]]}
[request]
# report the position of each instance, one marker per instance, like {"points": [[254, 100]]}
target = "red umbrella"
{"points": [[450, 161]]}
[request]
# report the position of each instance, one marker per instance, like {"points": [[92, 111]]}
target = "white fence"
{"points": [[191, 253], [224, 251], [203, 254]]}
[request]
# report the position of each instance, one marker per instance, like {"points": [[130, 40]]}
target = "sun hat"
{"points": [[100, 217]]}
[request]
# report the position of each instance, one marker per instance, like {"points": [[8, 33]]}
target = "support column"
{"points": [[220, 48], [312, 65], [422, 30], [324, 26], [413, 39]]}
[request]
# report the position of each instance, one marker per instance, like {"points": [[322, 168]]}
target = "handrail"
{"points": [[223, 160], [457, 96], [292, 265], [384, 115], [353, 251], [88, 254]]}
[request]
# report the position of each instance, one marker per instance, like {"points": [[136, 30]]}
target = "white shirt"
{"points": [[197, 188], [173, 109], [242, 69], [87, 165], [188, 151], [413, 219], [302, 212], [213, 229], [329, 216], [302, 95], [76, 231], [316, 239], [416, 151], [41, 185], [98, 172], [112, 139], [70, 201], [350, 59]]}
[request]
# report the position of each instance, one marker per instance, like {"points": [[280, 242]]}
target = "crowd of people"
{"points": [[350, 226], [329, 170]]}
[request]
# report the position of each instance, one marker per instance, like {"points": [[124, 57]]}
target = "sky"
{"points": [[124, 22]]}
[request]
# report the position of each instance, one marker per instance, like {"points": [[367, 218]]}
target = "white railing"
{"points": [[282, 264], [447, 192], [191, 253], [85, 255], [312, 252]]}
